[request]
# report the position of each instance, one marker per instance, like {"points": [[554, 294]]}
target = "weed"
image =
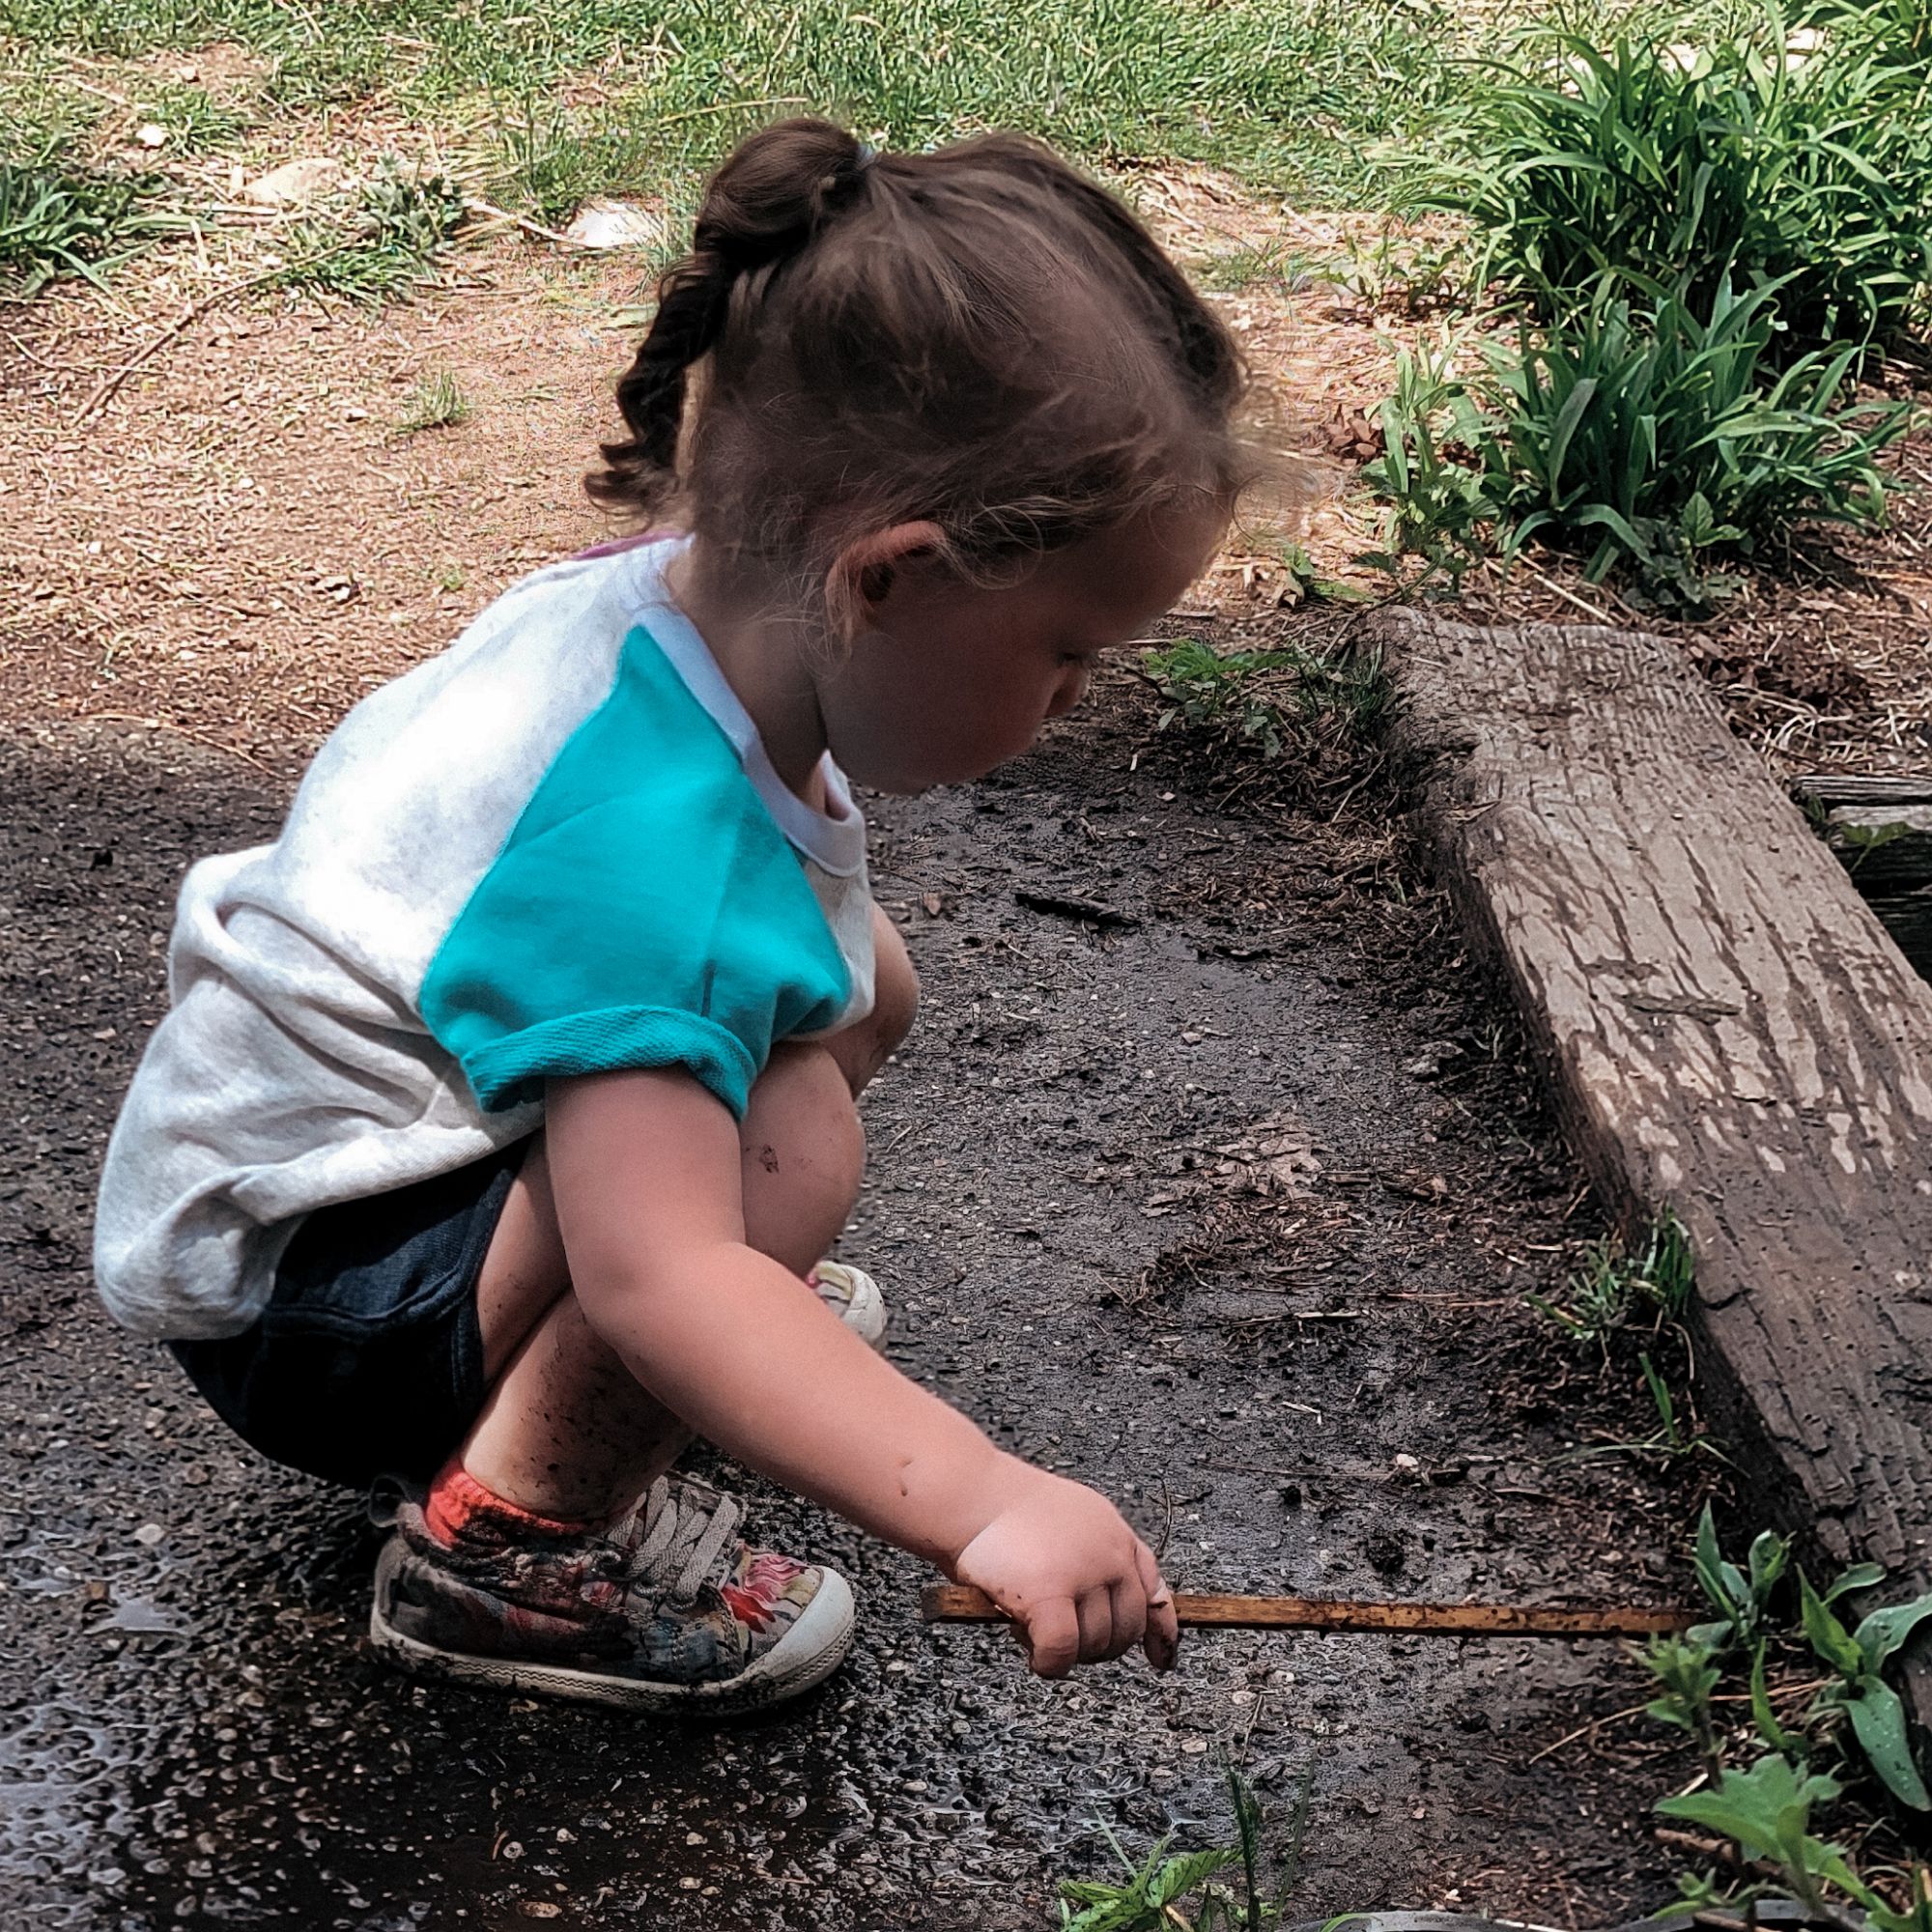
{"points": [[1739, 168], [1271, 263], [56, 220], [1766, 1808], [437, 402], [1863, 841], [1269, 702], [385, 242], [1614, 1285], [1152, 1894], [550, 165], [1655, 437]]}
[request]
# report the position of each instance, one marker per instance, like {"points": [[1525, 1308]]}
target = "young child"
{"points": [[504, 1116]]}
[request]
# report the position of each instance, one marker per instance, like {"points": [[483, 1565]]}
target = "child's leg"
{"points": [[566, 1430]]}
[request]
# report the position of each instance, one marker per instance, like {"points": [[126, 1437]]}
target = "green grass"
{"points": [[382, 244], [437, 402], [196, 123], [58, 220], [1271, 264], [1288, 91], [1616, 1285]]}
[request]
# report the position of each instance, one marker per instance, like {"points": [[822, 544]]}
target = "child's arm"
{"points": [[646, 1170]]}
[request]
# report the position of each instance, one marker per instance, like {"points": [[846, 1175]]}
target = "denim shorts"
{"points": [[368, 1359]]}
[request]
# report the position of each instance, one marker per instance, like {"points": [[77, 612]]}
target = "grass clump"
{"points": [[1741, 163], [1616, 1287], [1851, 1730], [1271, 263], [57, 220], [383, 245], [1272, 701], [1656, 438], [437, 402], [192, 117]]}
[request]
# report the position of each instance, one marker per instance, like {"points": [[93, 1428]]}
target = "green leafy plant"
{"points": [[1655, 437], [1178, 1892], [387, 239], [56, 220], [1766, 1810], [1738, 164], [1268, 701], [1872, 1707]]}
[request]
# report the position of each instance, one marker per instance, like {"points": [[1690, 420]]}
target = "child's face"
{"points": [[949, 680]]}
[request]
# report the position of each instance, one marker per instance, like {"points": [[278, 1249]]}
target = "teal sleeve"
{"points": [[644, 912]]}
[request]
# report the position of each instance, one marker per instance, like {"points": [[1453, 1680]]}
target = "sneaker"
{"points": [[853, 1295], [668, 1611]]}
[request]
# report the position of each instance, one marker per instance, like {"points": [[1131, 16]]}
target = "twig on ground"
{"points": [[109, 384]]}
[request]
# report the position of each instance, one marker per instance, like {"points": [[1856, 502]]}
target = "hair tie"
{"points": [[866, 155]]}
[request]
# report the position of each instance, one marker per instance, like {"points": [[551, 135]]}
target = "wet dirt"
{"points": [[1224, 1201]]}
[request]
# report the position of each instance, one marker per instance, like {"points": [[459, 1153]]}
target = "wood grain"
{"points": [[954, 1603], [1731, 1035]]}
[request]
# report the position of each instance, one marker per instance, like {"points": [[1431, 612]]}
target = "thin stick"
{"points": [[953, 1604], [475, 204]]}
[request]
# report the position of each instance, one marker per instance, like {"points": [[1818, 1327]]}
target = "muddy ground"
{"points": [[1224, 1203]]}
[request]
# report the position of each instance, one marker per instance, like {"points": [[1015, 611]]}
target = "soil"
{"points": [[1225, 1201]]}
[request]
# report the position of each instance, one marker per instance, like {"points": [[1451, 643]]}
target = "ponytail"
{"points": [[770, 197]]}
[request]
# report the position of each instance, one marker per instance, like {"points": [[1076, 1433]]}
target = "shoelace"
{"points": [[686, 1527]]}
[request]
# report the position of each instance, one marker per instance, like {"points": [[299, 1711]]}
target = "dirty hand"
{"points": [[1082, 1587]]}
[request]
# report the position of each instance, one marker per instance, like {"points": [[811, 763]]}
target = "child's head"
{"points": [[960, 397]]}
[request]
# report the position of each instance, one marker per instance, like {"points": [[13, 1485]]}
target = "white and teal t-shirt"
{"points": [[559, 848]]}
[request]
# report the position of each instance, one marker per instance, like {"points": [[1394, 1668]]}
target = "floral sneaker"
{"points": [[667, 1610]]}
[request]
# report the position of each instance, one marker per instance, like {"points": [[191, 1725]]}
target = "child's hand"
{"points": [[1081, 1585]]}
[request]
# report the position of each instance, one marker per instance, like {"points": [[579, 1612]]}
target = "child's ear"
{"points": [[865, 573]]}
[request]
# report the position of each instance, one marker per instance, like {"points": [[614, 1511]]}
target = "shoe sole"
{"points": [[807, 1654]]}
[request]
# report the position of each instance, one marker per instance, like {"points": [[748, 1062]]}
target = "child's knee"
{"points": [[804, 1155], [895, 987]]}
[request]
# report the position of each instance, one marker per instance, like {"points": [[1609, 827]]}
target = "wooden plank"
{"points": [[958, 1604], [1731, 1036], [1834, 789]]}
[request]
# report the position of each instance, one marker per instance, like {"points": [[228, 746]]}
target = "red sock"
{"points": [[457, 1499]]}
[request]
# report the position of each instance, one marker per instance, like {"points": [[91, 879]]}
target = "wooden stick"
{"points": [[956, 1604]]}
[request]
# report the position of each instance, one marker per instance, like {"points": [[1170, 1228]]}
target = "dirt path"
{"points": [[193, 1733]]}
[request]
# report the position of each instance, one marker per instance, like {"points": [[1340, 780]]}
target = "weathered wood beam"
{"points": [[1732, 1036]]}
